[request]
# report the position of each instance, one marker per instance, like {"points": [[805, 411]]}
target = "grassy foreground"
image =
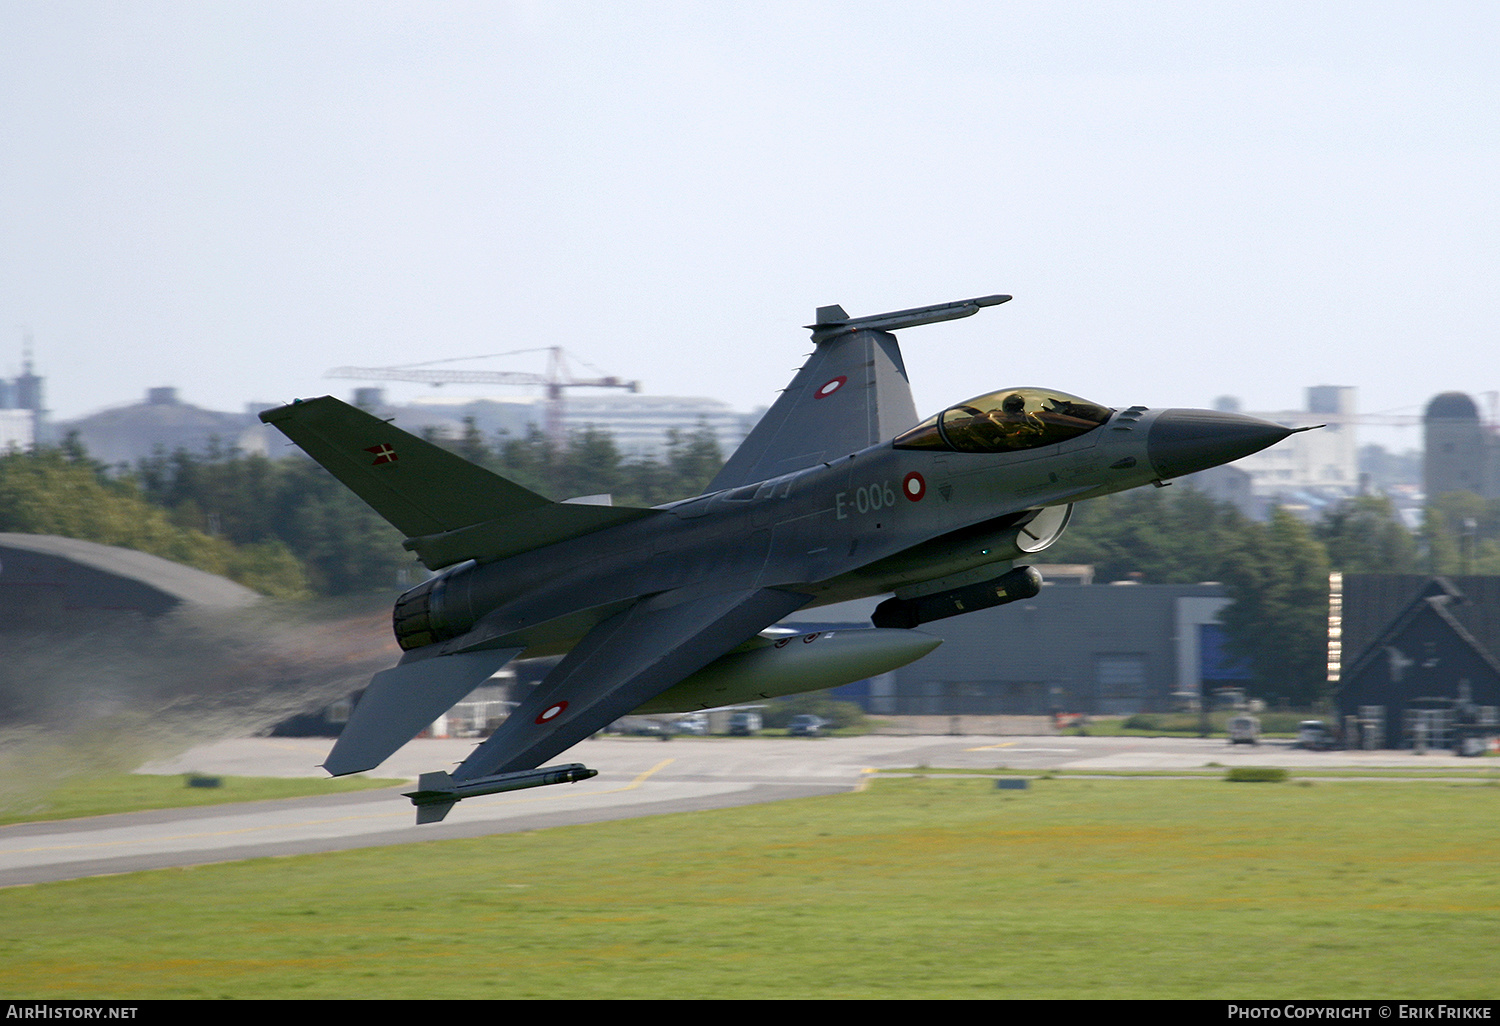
{"points": [[913, 888]]}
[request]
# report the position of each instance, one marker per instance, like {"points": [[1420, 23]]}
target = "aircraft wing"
{"points": [[624, 661], [850, 394]]}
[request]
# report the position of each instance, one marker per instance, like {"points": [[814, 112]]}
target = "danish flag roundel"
{"points": [[914, 486], [551, 712], [830, 387]]}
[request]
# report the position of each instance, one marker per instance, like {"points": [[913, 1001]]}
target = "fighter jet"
{"points": [[840, 492]]}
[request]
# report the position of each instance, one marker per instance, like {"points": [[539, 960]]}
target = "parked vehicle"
{"points": [[1315, 736], [744, 722], [695, 724], [1244, 729], [806, 725]]}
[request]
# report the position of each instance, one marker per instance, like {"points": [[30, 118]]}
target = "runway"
{"points": [[637, 777]]}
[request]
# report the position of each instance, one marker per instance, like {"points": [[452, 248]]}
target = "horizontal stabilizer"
{"points": [[449, 509], [402, 701], [419, 487]]}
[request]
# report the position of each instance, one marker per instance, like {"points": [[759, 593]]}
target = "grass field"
{"points": [[913, 888], [134, 792]]}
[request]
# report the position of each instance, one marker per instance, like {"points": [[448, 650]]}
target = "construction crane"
{"points": [[557, 378]]}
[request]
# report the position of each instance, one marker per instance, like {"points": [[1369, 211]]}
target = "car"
{"points": [[1315, 736], [744, 722], [806, 725], [695, 724], [1244, 729]]}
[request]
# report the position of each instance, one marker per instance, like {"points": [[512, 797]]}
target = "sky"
{"points": [[1186, 200]]}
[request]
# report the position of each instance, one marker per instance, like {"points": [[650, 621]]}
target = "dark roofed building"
{"points": [[1421, 662], [1076, 647]]}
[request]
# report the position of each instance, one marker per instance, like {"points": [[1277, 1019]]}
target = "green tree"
{"points": [[61, 492], [589, 465], [693, 458], [1461, 534], [1277, 578], [1365, 536], [1155, 536]]}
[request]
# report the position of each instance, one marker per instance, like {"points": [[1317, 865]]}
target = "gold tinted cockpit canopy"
{"points": [[1006, 421]]}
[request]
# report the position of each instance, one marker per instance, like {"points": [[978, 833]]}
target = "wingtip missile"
{"points": [[438, 792], [832, 320]]}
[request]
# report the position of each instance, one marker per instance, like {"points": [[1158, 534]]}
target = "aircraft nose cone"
{"points": [[1187, 441]]}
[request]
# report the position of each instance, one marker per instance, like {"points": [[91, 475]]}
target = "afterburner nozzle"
{"points": [[1187, 441]]}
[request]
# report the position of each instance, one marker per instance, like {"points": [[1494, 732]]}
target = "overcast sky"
{"points": [[1186, 199]]}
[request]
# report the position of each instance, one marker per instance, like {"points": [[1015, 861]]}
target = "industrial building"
{"points": [[1461, 453], [122, 435], [1076, 647], [22, 414]]}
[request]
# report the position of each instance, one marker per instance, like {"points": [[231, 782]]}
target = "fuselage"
{"points": [[888, 518]]}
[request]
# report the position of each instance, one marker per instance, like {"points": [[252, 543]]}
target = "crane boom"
{"points": [[557, 378]]}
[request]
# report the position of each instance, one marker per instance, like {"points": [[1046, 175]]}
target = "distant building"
{"points": [[638, 423], [1461, 452], [1076, 647], [17, 429], [1313, 469], [22, 414], [125, 434], [1416, 659]]}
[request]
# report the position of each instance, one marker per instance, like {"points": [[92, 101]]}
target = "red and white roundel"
{"points": [[914, 486], [551, 712], [830, 387]]}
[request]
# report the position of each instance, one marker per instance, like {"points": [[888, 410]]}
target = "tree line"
{"points": [[287, 528]]}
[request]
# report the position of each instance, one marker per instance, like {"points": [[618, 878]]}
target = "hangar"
{"points": [[1112, 649], [47, 581]]}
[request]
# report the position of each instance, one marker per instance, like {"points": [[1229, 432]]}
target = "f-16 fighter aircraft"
{"points": [[840, 492]]}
